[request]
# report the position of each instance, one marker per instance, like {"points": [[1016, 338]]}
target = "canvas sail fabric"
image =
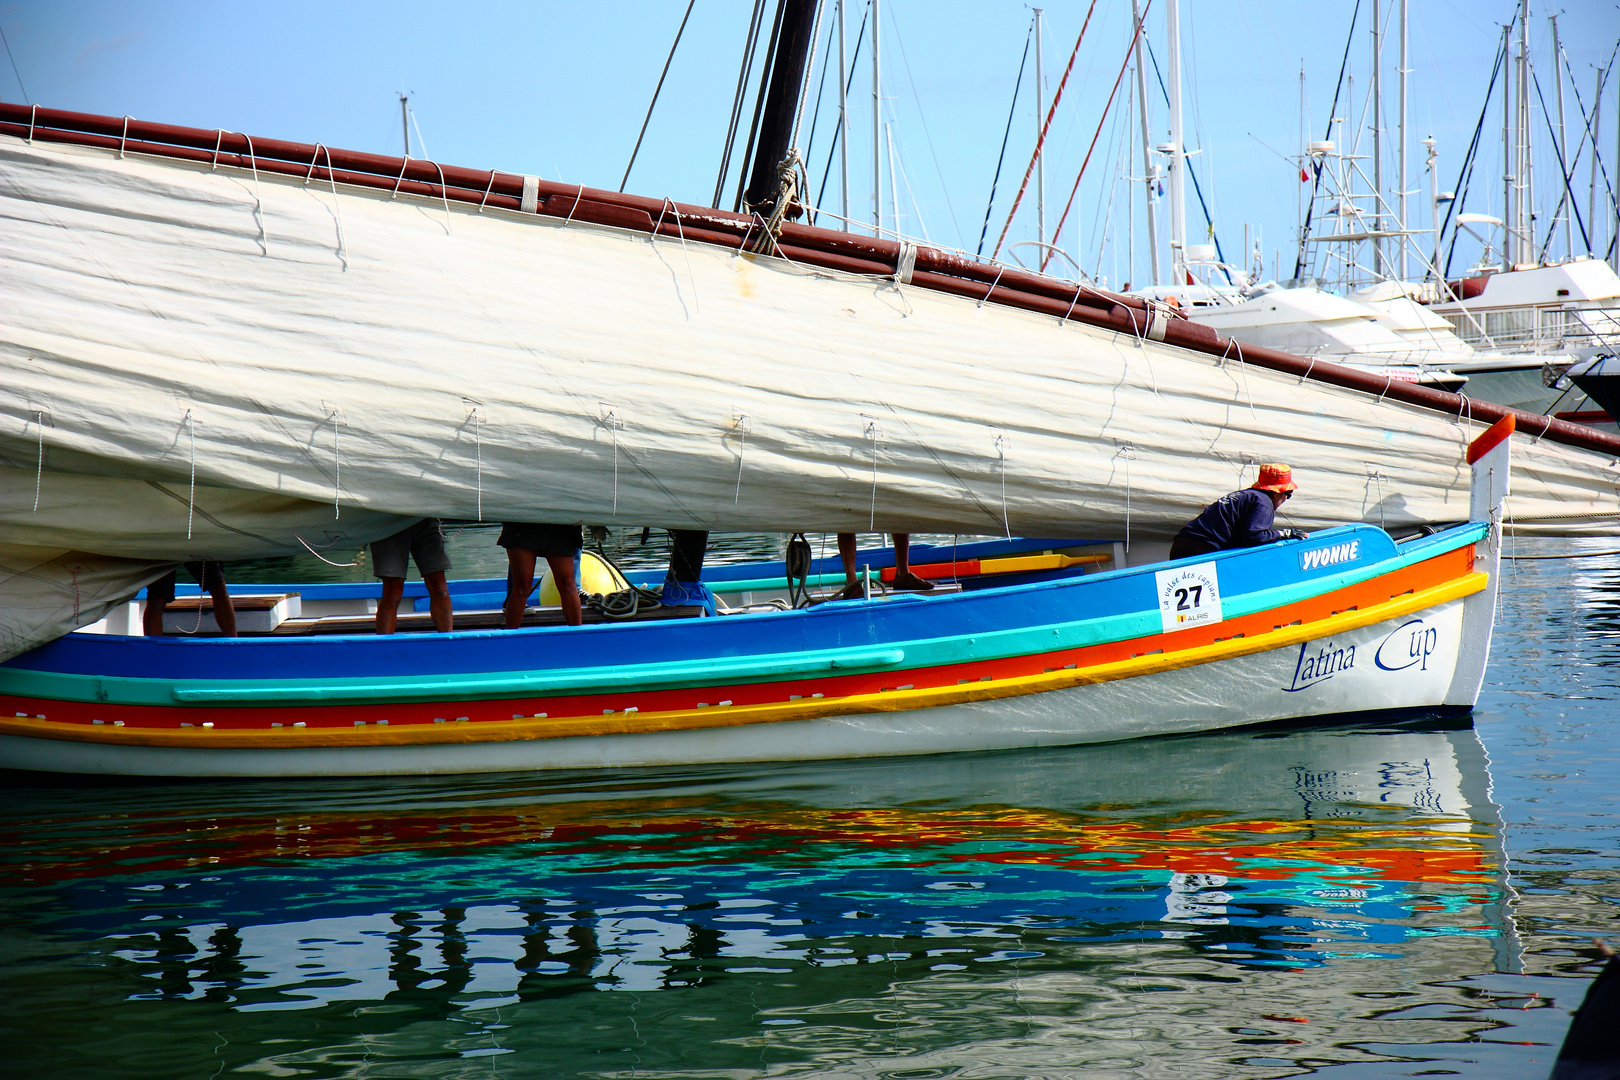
{"points": [[50, 584], [346, 348]]}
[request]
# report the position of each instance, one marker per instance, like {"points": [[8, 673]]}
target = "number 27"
{"points": [[1196, 592]]}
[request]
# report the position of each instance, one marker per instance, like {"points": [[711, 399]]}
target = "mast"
{"points": [[843, 121], [1150, 168], [1563, 147], [877, 128], [1178, 192], [1523, 203], [1434, 200], [1040, 149], [1509, 154], [1380, 263], [405, 122], [798, 19], [1400, 150], [1591, 190]]}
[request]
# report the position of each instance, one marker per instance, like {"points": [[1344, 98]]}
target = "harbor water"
{"points": [[1393, 897]]}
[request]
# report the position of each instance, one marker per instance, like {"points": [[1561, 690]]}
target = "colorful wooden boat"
{"points": [[1347, 621]]}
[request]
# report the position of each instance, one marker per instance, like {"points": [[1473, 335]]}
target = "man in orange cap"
{"points": [[1241, 519]]}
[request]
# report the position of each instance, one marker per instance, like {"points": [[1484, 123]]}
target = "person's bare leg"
{"points": [[903, 577], [393, 588], [224, 609], [152, 619], [853, 589], [439, 602], [519, 580], [562, 573]]}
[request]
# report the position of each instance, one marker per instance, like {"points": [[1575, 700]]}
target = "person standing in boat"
{"points": [[904, 579], [390, 561], [1241, 519], [211, 576], [525, 544]]}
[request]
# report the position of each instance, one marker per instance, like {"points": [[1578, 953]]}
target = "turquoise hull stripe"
{"points": [[933, 652]]}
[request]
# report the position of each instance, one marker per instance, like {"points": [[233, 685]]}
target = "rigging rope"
{"points": [[750, 45], [656, 91], [1040, 142], [984, 230], [1057, 232]]}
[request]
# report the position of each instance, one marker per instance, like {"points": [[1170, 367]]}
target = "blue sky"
{"points": [[560, 90]]}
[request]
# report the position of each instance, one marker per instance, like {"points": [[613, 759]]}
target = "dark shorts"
{"points": [[1185, 547], [210, 575], [424, 542], [543, 540]]}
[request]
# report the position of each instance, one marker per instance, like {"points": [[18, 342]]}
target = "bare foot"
{"points": [[909, 582]]}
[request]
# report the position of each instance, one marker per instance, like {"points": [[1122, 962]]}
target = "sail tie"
{"points": [[321, 557], [874, 431], [1002, 442], [669, 207], [742, 425], [124, 138], [33, 114], [475, 415], [39, 471], [609, 418], [491, 188], [1127, 451], [191, 496], [993, 284], [334, 413]]}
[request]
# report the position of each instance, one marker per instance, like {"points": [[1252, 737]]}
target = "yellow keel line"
{"points": [[287, 738]]}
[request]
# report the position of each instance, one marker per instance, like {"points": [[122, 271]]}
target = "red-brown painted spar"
{"points": [[935, 270]]}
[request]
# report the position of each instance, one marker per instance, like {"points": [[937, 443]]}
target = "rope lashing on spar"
{"points": [[787, 188]]}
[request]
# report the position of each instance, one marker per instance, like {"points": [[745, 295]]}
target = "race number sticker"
{"points": [[1189, 596]]}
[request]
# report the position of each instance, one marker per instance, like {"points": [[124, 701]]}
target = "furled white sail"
{"points": [[336, 347]]}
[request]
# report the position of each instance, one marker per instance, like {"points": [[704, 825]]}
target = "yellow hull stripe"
{"points": [[286, 738]]}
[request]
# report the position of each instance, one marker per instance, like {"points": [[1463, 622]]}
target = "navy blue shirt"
{"points": [[1239, 520]]}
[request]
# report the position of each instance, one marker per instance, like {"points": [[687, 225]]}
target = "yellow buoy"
{"points": [[596, 575]]}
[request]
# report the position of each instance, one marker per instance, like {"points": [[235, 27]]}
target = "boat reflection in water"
{"points": [[1103, 906]]}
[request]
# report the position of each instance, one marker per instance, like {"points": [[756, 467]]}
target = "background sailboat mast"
{"points": [[1400, 151], [1568, 200], [1150, 168], [843, 121], [877, 127], [1040, 120], [1178, 193], [1509, 159], [405, 122], [1524, 194], [1380, 256]]}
